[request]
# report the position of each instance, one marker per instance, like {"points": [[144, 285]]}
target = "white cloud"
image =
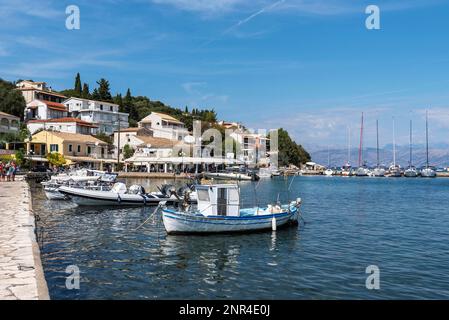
{"points": [[197, 94], [203, 6]]}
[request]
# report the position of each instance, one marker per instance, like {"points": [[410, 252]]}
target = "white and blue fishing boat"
{"points": [[219, 211]]}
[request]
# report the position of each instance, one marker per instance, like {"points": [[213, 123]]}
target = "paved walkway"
{"points": [[21, 275]]}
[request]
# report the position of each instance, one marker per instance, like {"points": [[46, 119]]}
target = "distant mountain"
{"points": [[439, 156]]}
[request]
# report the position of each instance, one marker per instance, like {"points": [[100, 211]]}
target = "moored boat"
{"points": [[219, 211], [121, 195]]}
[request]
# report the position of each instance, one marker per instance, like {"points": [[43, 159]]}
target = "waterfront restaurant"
{"points": [[77, 149], [151, 162]]}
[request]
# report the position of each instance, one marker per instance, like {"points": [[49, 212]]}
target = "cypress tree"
{"points": [[77, 88], [85, 94]]}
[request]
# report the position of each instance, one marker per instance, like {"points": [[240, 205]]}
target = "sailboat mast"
{"points": [[361, 144], [394, 143], [377, 133], [349, 145], [411, 143], [427, 139]]}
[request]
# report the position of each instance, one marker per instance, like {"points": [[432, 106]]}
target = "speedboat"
{"points": [[121, 195], [219, 211], [80, 178], [328, 172]]}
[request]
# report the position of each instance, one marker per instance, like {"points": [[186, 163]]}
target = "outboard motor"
{"points": [[168, 190], [184, 191]]}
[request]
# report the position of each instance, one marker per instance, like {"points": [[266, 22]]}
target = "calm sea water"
{"points": [[399, 225]]}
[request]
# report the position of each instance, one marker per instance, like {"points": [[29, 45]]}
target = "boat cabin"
{"points": [[219, 200]]}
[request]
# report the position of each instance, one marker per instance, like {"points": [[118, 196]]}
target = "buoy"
{"points": [[273, 224]]}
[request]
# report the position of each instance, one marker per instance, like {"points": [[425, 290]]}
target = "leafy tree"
{"points": [[128, 152], [85, 94], [77, 87], [289, 151], [104, 137], [95, 95], [104, 92], [20, 157], [11, 100], [56, 159]]}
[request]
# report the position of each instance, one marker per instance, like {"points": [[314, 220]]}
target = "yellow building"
{"points": [[80, 149]]}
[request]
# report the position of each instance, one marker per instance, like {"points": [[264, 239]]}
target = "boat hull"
{"points": [[54, 194], [83, 197], [179, 223]]}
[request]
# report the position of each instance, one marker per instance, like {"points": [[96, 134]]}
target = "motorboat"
{"points": [[135, 195], [219, 211], [89, 179], [232, 176], [328, 172]]}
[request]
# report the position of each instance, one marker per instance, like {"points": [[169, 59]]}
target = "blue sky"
{"points": [[308, 66]]}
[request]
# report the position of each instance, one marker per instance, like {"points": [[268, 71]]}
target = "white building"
{"points": [[38, 91], [129, 136], [44, 110], [253, 147], [69, 125], [105, 115], [9, 123], [164, 126]]}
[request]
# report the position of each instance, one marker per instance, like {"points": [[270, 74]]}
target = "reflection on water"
{"points": [[400, 225]]}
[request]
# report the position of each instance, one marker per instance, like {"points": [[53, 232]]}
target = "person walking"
{"points": [[13, 171], [2, 171]]}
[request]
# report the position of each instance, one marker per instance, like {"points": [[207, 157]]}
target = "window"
{"points": [[70, 148], [79, 148], [89, 150], [203, 195], [54, 148], [101, 107], [110, 108]]}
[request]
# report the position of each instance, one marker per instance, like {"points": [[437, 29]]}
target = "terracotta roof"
{"points": [[54, 105], [60, 120], [157, 142], [75, 137], [43, 91], [164, 116]]}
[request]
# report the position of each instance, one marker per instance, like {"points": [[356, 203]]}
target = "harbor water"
{"points": [[399, 225]]}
